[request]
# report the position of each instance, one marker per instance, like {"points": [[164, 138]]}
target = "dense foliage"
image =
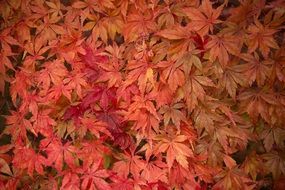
{"points": [[142, 94]]}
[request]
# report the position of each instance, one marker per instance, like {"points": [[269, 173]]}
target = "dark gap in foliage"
{"points": [[66, 2], [68, 66], [33, 31], [119, 39], [87, 33]]}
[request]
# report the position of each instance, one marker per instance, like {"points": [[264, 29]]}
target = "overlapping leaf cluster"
{"points": [[142, 94]]}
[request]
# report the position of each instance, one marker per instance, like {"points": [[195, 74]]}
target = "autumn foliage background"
{"points": [[142, 94]]}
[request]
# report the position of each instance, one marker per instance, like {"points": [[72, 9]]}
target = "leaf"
{"points": [[220, 46], [93, 178], [233, 179], [271, 136], [172, 74], [70, 181], [253, 165], [59, 153], [178, 33], [58, 90], [261, 37], [4, 159], [232, 77], [230, 163], [26, 158], [128, 163], [175, 150], [141, 72], [256, 103], [76, 82], [43, 123], [194, 89], [154, 171], [172, 112], [203, 18], [53, 73], [112, 74], [274, 163], [94, 126], [138, 23]]}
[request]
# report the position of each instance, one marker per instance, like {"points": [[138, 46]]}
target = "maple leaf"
{"points": [[194, 90], [57, 153], [93, 125], [122, 139], [232, 77], [70, 181], [20, 85], [275, 164], [141, 72], [252, 165], [58, 90], [35, 52], [183, 40], [255, 103], [271, 136], [76, 82], [112, 74], [55, 9], [143, 111], [108, 26], [278, 65], [204, 119], [112, 117], [154, 171], [53, 72], [126, 93], [91, 151], [93, 178], [247, 10], [177, 33], [172, 112], [5, 159], [144, 102], [175, 149], [26, 158], [50, 28], [4, 57], [74, 112], [233, 179], [6, 40], [178, 176], [90, 6], [129, 163], [145, 123], [204, 18], [223, 133], [18, 125], [261, 37], [171, 74], [105, 96], [30, 103], [121, 183], [255, 69], [220, 46], [168, 14], [70, 46], [204, 172], [165, 94], [139, 24], [43, 123]]}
